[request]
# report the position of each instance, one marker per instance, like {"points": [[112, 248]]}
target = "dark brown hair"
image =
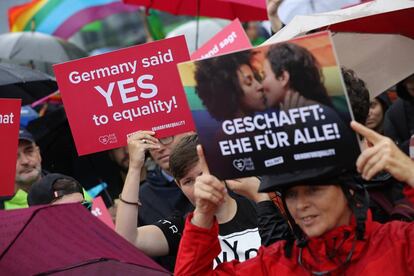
{"points": [[67, 186], [218, 83], [358, 95], [305, 75]]}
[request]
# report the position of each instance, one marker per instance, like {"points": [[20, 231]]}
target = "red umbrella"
{"points": [[245, 10], [66, 238]]}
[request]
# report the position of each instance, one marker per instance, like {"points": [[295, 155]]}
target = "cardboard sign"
{"points": [[100, 211], [255, 115], [9, 133], [137, 88], [231, 38]]}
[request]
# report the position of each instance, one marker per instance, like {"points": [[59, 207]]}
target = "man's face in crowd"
{"points": [[161, 156], [28, 165], [186, 183]]}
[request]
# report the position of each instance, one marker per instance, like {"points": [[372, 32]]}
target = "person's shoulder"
{"points": [[154, 177], [396, 107], [394, 230], [276, 253]]}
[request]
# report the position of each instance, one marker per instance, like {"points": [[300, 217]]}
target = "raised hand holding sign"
{"points": [[110, 95], [209, 193]]}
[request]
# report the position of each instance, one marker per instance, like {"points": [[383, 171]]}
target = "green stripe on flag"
{"points": [[192, 98], [42, 14]]}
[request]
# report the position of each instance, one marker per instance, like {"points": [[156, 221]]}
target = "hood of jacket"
{"points": [[402, 92]]}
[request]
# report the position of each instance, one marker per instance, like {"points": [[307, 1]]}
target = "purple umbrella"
{"points": [[66, 239]]}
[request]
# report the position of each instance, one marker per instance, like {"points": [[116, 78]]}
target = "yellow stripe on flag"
{"points": [[25, 17]]}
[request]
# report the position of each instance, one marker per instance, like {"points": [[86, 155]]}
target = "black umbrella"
{"points": [[24, 83], [37, 49]]}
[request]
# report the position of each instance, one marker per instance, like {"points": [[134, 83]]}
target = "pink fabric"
{"points": [[40, 239], [210, 8]]}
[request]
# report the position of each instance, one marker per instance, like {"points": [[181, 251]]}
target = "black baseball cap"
{"points": [[42, 191], [24, 134]]}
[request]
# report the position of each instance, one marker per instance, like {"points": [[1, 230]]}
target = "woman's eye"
{"points": [[248, 80], [314, 189], [290, 195]]}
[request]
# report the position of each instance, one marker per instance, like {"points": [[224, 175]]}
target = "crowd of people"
{"points": [[334, 220]]}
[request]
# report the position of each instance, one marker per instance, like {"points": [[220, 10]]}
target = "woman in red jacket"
{"points": [[334, 232]]}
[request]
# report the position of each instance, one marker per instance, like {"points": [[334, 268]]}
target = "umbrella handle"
{"points": [[197, 25]]}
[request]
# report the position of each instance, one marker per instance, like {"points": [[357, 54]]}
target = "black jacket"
{"points": [[399, 119], [160, 198]]}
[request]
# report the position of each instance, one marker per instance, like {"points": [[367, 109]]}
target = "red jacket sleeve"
{"points": [[197, 250], [199, 247]]}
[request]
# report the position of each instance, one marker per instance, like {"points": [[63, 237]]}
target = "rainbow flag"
{"points": [[62, 18]]}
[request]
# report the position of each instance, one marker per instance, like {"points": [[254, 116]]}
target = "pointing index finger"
{"points": [[369, 134], [202, 160]]}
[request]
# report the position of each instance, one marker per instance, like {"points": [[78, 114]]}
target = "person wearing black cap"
{"points": [[327, 210], [399, 119], [55, 188], [28, 170]]}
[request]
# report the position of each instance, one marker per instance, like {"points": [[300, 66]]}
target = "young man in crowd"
{"points": [[238, 219], [56, 188]]}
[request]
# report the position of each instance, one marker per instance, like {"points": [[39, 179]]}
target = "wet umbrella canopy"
{"points": [[66, 239], [37, 49], [24, 83], [246, 10], [375, 39]]}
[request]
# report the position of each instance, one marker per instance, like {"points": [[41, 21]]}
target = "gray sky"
{"points": [[4, 6]]}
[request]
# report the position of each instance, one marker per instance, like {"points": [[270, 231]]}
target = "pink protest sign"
{"points": [[109, 96], [231, 38], [100, 211], [9, 133]]}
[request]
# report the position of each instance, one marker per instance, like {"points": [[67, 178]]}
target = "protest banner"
{"points": [[109, 96], [272, 109], [100, 211], [229, 39], [9, 133]]}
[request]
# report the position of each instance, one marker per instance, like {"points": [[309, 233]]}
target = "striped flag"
{"points": [[62, 18]]}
